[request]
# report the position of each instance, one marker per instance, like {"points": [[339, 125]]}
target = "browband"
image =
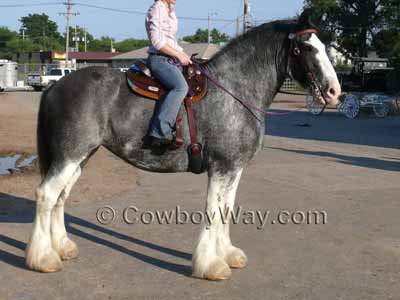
{"points": [[302, 32]]}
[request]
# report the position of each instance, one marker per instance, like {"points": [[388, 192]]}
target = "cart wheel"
{"points": [[351, 106], [397, 101], [381, 111], [314, 107], [340, 106]]}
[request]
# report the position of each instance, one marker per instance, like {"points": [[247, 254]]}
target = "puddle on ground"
{"points": [[16, 163]]}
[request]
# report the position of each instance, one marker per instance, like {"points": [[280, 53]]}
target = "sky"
{"points": [[121, 25]]}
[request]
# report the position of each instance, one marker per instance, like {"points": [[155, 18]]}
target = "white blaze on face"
{"points": [[333, 92]]}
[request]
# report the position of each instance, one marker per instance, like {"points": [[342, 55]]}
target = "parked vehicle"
{"points": [[363, 88], [38, 81], [8, 74]]}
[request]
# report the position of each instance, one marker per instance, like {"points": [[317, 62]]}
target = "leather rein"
{"points": [[295, 51]]}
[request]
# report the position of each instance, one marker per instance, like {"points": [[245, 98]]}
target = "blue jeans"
{"points": [[167, 109]]}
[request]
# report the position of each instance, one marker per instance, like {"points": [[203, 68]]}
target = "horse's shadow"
{"points": [[21, 210], [366, 162]]}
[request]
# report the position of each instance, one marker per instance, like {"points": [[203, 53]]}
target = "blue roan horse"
{"points": [[94, 107]]}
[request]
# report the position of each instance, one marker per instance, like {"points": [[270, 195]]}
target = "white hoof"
{"points": [[217, 270], [66, 249], [42, 260], [236, 258]]}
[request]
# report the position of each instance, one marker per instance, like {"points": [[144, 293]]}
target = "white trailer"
{"points": [[8, 74]]}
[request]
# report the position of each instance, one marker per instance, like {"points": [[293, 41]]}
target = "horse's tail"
{"points": [[43, 144]]}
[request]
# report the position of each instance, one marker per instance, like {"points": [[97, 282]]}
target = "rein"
{"points": [[315, 87]]}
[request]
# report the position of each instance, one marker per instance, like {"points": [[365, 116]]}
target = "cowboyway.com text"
{"points": [[260, 218]]}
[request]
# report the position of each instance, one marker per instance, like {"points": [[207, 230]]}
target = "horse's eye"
{"points": [[308, 48]]}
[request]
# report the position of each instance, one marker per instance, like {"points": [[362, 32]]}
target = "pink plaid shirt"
{"points": [[161, 27]]}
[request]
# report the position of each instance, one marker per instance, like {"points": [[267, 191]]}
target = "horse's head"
{"points": [[309, 64]]}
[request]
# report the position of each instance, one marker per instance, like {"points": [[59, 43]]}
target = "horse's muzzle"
{"points": [[332, 92]]}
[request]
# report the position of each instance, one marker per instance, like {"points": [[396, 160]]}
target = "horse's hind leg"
{"points": [[214, 253], [40, 255], [65, 248]]}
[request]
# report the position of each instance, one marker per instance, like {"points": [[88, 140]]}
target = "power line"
{"points": [[30, 4], [135, 12], [230, 23], [109, 9]]}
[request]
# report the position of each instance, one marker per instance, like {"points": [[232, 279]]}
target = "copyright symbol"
{"points": [[105, 215]]}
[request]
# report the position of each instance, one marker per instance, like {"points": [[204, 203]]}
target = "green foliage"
{"points": [[38, 27], [201, 36], [218, 37], [358, 26], [130, 45], [353, 23], [102, 45], [6, 36]]}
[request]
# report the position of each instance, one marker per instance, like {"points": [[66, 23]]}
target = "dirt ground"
{"points": [[346, 168], [104, 175]]}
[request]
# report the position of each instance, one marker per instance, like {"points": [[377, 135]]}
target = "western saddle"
{"points": [[142, 82]]}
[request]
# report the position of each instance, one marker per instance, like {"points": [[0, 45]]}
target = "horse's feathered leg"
{"points": [[40, 254], [66, 248], [214, 253], [233, 256]]}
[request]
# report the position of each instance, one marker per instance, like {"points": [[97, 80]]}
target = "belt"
{"points": [[162, 54]]}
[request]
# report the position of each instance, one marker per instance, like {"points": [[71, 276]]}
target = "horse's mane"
{"points": [[266, 34]]}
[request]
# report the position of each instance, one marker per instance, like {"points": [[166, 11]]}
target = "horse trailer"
{"points": [[8, 74]]}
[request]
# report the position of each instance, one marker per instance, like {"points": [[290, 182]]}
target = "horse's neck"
{"points": [[251, 71]]}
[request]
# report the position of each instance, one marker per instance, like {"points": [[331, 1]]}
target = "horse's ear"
{"points": [[305, 20]]}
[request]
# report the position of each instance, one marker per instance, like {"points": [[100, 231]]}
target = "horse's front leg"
{"points": [[214, 253]]}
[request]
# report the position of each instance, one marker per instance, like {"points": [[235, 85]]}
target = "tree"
{"points": [[130, 44], [37, 26], [103, 44], [6, 36], [218, 37], [355, 23], [201, 36], [18, 45]]}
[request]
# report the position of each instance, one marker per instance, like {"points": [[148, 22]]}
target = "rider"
{"points": [[164, 54]]}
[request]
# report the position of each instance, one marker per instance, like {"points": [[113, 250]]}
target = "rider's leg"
{"points": [[167, 110]]}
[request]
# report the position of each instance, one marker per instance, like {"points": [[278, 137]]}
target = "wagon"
{"points": [[364, 88]]}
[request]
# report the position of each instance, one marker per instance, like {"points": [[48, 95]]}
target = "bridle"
{"points": [[295, 51]]}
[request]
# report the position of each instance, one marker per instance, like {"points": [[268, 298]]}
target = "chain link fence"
{"points": [[291, 85], [25, 69]]}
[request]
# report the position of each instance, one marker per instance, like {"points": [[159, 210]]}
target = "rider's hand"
{"points": [[184, 59]]}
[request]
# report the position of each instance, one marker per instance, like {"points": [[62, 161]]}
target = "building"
{"points": [[204, 51], [86, 59], [57, 58]]}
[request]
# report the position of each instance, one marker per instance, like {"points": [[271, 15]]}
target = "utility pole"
{"points": [[246, 11], [76, 39], [209, 29], [23, 45], [209, 26], [85, 37], [237, 26], [68, 14]]}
